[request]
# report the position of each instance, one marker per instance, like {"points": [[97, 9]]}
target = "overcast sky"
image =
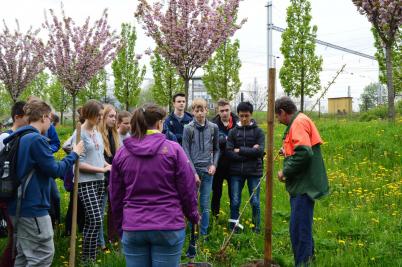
{"points": [[338, 23]]}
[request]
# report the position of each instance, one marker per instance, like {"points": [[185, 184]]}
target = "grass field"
{"points": [[358, 224]]}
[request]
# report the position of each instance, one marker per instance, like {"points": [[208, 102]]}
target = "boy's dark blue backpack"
{"points": [[8, 168]]}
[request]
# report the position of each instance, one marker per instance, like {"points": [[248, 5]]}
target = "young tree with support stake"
{"points": [[386, 18], [189, 32], [21, 59], [76, 53], [300, 73]]}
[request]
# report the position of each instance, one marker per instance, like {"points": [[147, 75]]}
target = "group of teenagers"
{"points": [[156, 172]]}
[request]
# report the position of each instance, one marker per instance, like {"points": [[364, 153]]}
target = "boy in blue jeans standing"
{"points": [[201, 144]]}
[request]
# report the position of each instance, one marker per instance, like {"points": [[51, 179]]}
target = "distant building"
{"points": [[198, 90], [340, 105]]}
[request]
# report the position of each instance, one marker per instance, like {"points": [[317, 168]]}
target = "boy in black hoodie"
{"points": [[226, 121], [245, 148]]}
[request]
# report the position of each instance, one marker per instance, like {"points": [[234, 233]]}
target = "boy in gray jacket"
{"points": [[201, 144]]}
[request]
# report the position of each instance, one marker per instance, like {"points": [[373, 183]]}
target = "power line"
{"points": [[279, 29]]}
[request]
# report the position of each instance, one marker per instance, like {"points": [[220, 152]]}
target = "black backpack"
{"points": [[8, 171]]}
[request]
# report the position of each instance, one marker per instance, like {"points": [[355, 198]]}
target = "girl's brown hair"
{"points": [[91, 109], [104, 130], [145, 118]]}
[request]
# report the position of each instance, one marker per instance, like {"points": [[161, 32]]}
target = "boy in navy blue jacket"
{"points": [[176, 120], [35, 233]]}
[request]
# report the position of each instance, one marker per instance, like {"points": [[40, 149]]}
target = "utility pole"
{"points": [[269, 35]]}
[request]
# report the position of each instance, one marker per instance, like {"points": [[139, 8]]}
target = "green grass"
{"points": [[358, 224]]}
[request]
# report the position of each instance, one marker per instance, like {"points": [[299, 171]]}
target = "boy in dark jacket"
{"points": [[245, 147], [226, 121], [175, 122], [35, 233]]}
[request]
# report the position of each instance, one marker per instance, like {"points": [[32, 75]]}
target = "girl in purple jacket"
{"points": [[152, 190]]}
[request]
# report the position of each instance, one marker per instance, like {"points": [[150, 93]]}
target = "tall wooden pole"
{"points": [[269, 168], [71, 261]]}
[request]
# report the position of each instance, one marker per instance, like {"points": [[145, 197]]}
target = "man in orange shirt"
{"points": [[304, 175]]}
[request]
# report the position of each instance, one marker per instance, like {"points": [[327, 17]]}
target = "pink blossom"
{"points": [[189, 31], [385, 15], [76, 53], [21, 59]]}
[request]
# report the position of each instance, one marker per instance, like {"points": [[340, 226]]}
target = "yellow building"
{"points": [[340, 105]]}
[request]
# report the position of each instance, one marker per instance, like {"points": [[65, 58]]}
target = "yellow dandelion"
{"points": [[341, 242]]}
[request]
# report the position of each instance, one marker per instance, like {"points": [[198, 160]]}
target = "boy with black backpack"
{"points": [[201, 144], [19, 120], [28, 160]]}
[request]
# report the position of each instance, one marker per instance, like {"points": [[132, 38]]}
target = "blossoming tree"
{"points": [[188, 32], [21, 59], [76, 53]]}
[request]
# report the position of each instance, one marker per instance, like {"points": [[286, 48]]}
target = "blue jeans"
{"points": [[237, 184], [301, 228], [153, 248], [205, 196]]}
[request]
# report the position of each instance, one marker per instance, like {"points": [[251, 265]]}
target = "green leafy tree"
{"points": [[300, 73], [372, 96], [38, 87], [396, 60], [95, 89], [221, 72], [167, 82], [5, 103], [128, 75], [59, 98]]}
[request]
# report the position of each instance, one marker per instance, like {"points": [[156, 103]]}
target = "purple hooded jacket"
{"points": [[152, 186]]}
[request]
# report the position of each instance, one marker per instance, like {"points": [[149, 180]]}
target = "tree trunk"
{"points": [[186, 87], [170, 93], [74, 108], [390, 83], [62, 107], [302, 91], [127, 105]]}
